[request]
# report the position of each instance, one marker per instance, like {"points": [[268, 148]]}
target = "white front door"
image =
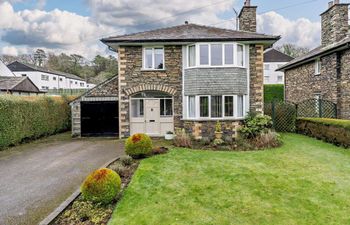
{"points": [[152, 117]]}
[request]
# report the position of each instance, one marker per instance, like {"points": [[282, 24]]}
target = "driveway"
{"points": [[35, 178]]}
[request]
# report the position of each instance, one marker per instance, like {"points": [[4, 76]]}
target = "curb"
{"points": [[52, 216]]}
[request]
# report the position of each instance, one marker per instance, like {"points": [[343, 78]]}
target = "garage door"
{"points": [[99, 119]]}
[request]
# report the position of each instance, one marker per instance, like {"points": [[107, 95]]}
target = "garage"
{"points": [[99, 118]]}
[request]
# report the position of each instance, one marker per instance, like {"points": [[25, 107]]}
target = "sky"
{"points": [[75, 26]]}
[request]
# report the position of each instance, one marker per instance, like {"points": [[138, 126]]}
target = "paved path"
{"points": [[36, 178]]}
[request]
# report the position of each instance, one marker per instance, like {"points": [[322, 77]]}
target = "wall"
{"points": [[256, 70], [271, 75]]}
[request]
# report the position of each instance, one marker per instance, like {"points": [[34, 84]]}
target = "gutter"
{"points": [[310, 58]]}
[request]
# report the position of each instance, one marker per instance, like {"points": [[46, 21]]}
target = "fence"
{"points": [[284, 114]]}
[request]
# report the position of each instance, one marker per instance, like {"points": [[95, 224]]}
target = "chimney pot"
{"points": [[247, 3], [186, 22], [330, 4], [336, 2]]}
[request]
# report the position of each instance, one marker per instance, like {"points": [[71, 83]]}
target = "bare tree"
{"points": [[293, 50]]}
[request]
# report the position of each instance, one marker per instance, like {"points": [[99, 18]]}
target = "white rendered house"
{"points": [[5, 71], [274, 59], [46, 79]]}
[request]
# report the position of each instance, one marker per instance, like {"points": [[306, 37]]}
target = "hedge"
{"points": [[273, 92], [330, 130], [25, 118]]}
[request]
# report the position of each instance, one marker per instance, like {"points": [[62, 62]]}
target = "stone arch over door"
{"points": [[150, 87]]}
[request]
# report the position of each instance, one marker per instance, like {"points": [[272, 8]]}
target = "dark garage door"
{"points": [[99, 119]]}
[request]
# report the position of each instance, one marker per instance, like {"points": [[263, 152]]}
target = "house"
{"points": [[47, 79], [274, 59], [5, 71], [188, 76], [324, 71], [18, 86]]}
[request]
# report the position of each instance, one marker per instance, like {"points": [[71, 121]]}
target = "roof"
{"points": [[273, 55], [22, 84], [23, 67], [5, 71], [316, 53], [190, 33]]}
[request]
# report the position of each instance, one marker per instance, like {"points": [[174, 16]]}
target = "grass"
{"points": [[304, 182]]}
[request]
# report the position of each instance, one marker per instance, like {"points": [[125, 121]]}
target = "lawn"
{"points": [[304, 182]]}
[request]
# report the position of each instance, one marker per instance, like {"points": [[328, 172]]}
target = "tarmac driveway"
{"points": [[35, 178]]}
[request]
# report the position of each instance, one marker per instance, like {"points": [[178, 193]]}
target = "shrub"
{"points": [[138, 146], [102, 186], [23, 118], [119, 169], [218, 127], [160, 150], [218, 142], [273, 92], [330, 130], [182, 139], [269, 139], [254, 125], [126, 160]]}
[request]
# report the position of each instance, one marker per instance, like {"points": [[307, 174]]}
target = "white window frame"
{"points": [[188, 107], [209, 65], [153, 58], [223, 117], [318, 67], [45, 77], [172, 108]]}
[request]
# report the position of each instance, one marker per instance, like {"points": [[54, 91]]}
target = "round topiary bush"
{"points": [[101, 186], [138, 146]]}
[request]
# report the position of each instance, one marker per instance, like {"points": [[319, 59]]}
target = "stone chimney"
{"points": [[247, 17], [335, 25]]}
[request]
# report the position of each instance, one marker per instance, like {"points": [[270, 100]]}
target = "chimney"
{"points": [[335, 24], [247, 17]]}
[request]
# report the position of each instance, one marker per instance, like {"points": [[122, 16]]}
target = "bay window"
{"points": [[216, 107], [216, 55], [153, 58]]}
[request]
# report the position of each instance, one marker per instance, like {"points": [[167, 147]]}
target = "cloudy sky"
{"points": [[75, 26]]}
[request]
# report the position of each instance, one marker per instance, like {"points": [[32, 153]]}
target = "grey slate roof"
{"points": [[190, 32], [23, 84], [21, 67], [315, 53], [273, 55]]}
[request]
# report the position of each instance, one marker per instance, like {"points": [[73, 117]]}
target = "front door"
{"points": [[152, 117]]}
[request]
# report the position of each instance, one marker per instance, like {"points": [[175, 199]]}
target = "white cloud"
{"points": [[301, 32]]}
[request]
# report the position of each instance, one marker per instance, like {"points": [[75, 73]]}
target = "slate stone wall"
{"points": [[256, 59], [247, 19]]}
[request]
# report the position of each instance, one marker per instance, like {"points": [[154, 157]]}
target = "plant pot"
{"points": [[218, 135], [169, 137]]}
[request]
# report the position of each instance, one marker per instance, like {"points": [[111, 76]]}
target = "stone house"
{"points": [[188, 76], [324, 72]]}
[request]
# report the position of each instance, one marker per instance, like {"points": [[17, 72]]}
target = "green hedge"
{"points": [[273, 92], [25, 118], [330, 130]]}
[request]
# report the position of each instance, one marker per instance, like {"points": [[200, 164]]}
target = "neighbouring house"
{"points": [[5, 71], [324, 72], [47, 79], [188, 76], [18, 86], [274, 59]]}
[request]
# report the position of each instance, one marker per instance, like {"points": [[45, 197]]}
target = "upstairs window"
{"points": [[317, 67], [204, 54], [240, 55], [191, 55], [44, 77], [229, 54], [153, 58], [216, 55]]}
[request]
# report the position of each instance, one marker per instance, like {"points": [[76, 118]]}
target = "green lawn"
{"points": [[304, 182]]}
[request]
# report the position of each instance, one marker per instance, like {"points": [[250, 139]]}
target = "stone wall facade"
{"points": [[333, 84], [334, 24], [132, 76], [256, 67], [247, 19]]}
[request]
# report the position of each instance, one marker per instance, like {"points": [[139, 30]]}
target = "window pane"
{"points": [[204, 54], [158, 58], [216, 106], [229, 106], [229, 54], [137, 108], [192, 56], [240, 55], [204, 106], [240, 105], [191, 106], [148, 58], [166, 107], [216, 54]]}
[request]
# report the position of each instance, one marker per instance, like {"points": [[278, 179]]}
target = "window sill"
{"points": [[215, 67], [153, 70], [214, 119], [317, 74]]}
